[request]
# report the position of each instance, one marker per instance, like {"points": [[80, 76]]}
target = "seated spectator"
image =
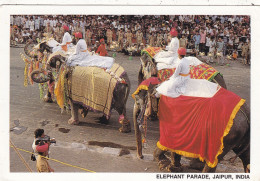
{"points": [[102, 48]]}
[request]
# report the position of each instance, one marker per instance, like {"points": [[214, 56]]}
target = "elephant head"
{"points": [[36, 50], [45, 75], [147, 69]]}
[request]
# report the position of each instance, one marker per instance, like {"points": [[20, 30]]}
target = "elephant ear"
{"points": [[56, 60], [44, 46], [154, 101]]}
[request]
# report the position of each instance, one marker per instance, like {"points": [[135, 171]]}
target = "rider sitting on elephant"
{"points": [[83, 58], [66, 41], [180, 82], [165, 59]]}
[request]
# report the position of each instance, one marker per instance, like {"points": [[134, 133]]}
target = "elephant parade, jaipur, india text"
{"points": [[203, 176]]}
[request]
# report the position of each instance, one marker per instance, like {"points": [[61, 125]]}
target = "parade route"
{"points": [[90, 146]]}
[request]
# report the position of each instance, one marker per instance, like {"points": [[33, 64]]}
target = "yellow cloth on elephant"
{"points": [[93, 87], [59, 89]]}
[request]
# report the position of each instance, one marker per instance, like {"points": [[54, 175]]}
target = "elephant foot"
{"points": [[103, 120], [126, 127], [159, 154], [73, 122], [48, 99], [83, 113], [164, 164], [140, 156], [197, 164], [247, 169], [173, 168]]}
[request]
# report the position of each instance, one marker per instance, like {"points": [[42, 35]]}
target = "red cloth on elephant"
{"points": [[145, 84], [195, 126]]}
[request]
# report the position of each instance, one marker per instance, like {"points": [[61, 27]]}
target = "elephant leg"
{"points": [[126, 127], [47, 97], [208, 169], [245, 157], [74, 114], [137, 132], [175, 165], [103, 120], [83, 112], [163, 161], [197, 164]]}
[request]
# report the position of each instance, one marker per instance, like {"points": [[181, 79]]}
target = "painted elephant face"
{"points": [[148, 66]]}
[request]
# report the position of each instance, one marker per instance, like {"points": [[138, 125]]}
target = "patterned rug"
{"points": [[93, 87], [151, 51], [202, 71]]}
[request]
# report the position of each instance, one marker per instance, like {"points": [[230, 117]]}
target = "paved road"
{"points": [[28, 112]]}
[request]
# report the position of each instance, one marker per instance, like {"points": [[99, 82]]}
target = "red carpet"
{"points": [[195, 127]]}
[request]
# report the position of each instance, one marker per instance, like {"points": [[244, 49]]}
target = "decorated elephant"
{"points": [[146, 108], [82, 88]]}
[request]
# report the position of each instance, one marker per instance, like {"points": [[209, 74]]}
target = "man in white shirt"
{"points": [[31, 24], [165, 59], [176, 84], [26, 23], [37, 23], [65, 41]]}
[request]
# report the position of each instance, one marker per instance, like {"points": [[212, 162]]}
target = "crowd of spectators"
{"points": [[210, 34]]}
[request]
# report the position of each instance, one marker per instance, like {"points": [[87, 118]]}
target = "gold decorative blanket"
{"points": [[93, 87]]}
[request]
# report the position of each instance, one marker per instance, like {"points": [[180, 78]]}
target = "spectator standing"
{"points": [[48, 30], [202, 40], [88, 37], [207, 44], [225, 41], [31, 24], [245, 50], [139, 36], [37, 23], [159, 39], [212, 45], [58, 33], [152, 40], [220, 45], [120, 35], [109, 35], [196, 39], [183, 41], [26, 25], [129, 36]]}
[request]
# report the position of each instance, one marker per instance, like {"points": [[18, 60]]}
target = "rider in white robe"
{"points": [[166, 59], [66, 41], [180, 82], [82, 57]]}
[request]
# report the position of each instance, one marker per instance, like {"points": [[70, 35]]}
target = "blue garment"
{"points": [[196, 38]]}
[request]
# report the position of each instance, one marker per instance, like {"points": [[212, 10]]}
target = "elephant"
{"points": [[120, 94], [145, 107]]}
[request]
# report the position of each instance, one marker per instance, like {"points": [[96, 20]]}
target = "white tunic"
{"points": [[183, 85], [175, 86], [82, 58], [165, 59], [66, 39]]}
